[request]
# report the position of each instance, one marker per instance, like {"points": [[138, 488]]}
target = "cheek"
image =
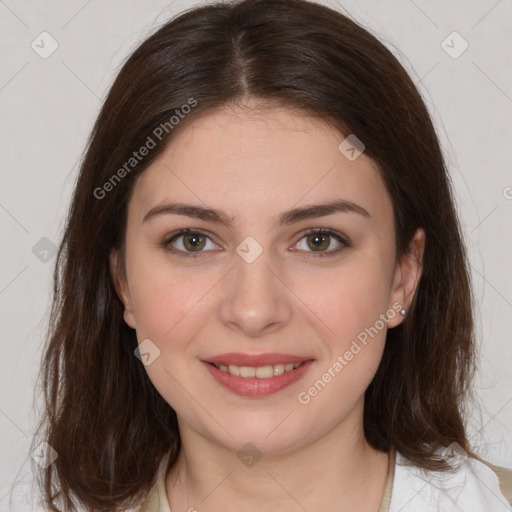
{"points": [[348, 304], [163, 296], [347, 300], [169, 312], [351, 306]]}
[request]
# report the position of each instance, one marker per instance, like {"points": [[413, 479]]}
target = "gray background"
{"points": [[48, 106]]}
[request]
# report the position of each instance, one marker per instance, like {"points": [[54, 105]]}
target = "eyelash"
{"points": [[166, 244]]}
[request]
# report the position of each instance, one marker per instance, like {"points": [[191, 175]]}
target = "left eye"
{"points": [[320, 241]]}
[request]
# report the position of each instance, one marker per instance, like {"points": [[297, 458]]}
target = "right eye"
{"points": [[187, 242]]}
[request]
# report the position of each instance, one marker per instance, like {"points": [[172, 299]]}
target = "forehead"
{"points": [[247, 162]]}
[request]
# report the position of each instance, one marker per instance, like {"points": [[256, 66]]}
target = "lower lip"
{"points": [[247, 386]]}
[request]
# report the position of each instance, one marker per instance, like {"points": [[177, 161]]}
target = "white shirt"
{"points": [[472, 487]]}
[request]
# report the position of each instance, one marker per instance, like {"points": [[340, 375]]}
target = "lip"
{"points": [[254, 387], [239, 359]]}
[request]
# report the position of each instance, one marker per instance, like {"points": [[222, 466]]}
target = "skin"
{"points": [[254, 165]]}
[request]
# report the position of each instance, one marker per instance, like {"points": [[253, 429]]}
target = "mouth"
{"points": [[267, 374]]}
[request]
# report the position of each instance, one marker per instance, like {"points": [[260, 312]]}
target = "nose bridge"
{"points": [[255, 300]]}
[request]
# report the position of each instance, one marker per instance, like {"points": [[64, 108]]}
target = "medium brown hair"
{"points": [[103, 416]]}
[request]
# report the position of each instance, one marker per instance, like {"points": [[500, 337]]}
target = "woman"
{"points": [[262, 295]]}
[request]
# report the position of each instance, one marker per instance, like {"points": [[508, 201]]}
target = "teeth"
{"points": [[247, 371], [260, 372], [234, 370]]}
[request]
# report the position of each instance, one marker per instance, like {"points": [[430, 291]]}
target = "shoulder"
{"points": [[471, 486]]}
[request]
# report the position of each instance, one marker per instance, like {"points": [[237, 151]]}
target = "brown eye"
{"points": [[319, 241], [194, 242], [189, 242]]}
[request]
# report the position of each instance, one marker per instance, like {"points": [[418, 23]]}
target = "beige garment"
{"points": [[505, 478]]}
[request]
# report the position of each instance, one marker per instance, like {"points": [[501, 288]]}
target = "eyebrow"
{"points": [[285, 218]]}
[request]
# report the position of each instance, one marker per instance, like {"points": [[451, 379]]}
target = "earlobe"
{"points": [[407, 276], [121, 286]]}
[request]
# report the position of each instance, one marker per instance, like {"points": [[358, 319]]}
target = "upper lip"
{"points": [[255, 359]]}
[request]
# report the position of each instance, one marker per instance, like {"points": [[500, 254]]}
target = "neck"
{"points": [[339, 467]]}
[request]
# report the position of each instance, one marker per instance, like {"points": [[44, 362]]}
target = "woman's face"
{"points": [[254, 287]]}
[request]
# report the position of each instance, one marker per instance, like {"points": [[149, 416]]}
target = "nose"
{"points": [[256, 301]]}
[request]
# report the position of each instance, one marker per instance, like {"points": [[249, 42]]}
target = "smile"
{"points": [[258, 372], [257, 381]]}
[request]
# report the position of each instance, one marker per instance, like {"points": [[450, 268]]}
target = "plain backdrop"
{"points": [[48, 106]]}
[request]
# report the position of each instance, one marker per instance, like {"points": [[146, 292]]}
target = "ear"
{"points": [[407, 276], [121, 285]]}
